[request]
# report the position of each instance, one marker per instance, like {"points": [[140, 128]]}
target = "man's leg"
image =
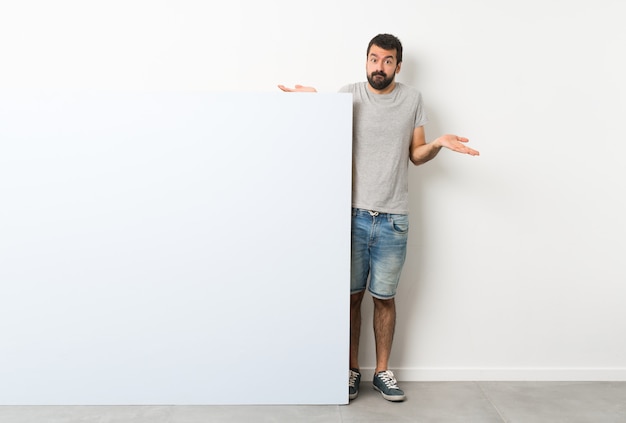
{"points": [[384, 327], [355, 328], [388, 256]]}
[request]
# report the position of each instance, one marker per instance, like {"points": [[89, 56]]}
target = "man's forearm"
{"points": [[425, 152]]}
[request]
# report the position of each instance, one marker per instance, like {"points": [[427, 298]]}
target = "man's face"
{"points": [[381, 67]]}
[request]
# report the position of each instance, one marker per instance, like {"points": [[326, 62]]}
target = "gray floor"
{"points": [[533, 402]]}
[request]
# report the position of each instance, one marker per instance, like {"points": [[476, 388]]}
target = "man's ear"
{"points": [[398, 67]]}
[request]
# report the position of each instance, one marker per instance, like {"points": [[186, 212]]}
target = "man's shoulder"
{"points": [[408, 90]]}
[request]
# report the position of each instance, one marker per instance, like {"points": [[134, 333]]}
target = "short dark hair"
{"points": [[387, 42]]}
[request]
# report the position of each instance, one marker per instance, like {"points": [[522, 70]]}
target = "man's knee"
{"points": [[384, 303]]}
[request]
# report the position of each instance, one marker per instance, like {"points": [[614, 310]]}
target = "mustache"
{"points": [[381, 73]]}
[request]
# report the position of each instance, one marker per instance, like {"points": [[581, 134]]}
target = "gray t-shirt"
{"points": [[382, 133]]}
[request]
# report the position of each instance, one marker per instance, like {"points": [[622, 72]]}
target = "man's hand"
{"points": [[298, 89], [456, 143]]}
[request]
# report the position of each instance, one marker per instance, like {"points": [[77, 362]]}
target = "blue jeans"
{"points": [[378, 251]]}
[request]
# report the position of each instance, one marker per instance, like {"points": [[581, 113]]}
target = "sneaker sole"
{"points": [[353, 396], [392, 398]]}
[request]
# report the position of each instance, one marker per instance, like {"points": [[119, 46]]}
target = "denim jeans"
{"points": [[378, 251]]}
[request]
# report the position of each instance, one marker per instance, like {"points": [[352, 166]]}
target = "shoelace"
{"points": [[353, 376], [388, 378]]}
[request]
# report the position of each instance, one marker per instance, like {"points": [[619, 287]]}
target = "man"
{"points": [[388, 131]]}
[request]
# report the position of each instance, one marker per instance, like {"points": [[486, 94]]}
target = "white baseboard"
{"points": [[504, 374]]}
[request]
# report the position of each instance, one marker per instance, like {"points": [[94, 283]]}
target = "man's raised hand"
{"points": [[298, 89], [456, 143]]}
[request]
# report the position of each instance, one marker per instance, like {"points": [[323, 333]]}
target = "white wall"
{"points": [[514, 267]]}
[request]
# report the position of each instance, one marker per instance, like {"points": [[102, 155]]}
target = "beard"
{"points": [[380, 83]]}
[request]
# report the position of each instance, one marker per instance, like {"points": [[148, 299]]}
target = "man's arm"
{"points": [[422, 152]]}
